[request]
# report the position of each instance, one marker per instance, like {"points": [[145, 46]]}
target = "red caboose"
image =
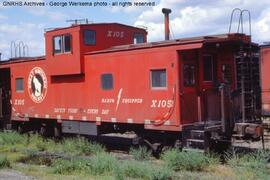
{"points": [[265, 56], [94, 81]]}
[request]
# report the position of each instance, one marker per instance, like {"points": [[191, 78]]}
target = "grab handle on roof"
{"points": [[240, 20]]}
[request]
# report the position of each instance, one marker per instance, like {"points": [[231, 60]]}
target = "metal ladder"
{"points": [[247, 70]]}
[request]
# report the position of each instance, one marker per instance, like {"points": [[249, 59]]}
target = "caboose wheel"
{"points": [[56, 132], [43, 131], [20, 128], [178, 144]]}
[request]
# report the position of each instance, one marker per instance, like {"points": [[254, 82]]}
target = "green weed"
{"points": [[161, 174], [190, 161], [4, 162], [144, 170], [61, 166], [80, 146], [250, 166], [140, 153], [136, 169], [11, 138], [99, 164], [102, 163]]}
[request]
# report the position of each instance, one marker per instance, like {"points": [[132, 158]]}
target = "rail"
{"points": [[18, 49], [240, 20]]}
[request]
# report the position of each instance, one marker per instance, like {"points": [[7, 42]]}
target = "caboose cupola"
{"points": [[65, 47]]}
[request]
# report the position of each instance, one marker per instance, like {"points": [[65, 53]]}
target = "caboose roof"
{"points": [[92, 24], [265, 45], [21, 59], [55, 30], [236, 37], [186, 42]]}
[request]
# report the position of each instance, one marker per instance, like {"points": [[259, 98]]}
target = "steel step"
{"points": [[122, 139], [196, 140], [197, 134], [195, 143], [193, 150]]}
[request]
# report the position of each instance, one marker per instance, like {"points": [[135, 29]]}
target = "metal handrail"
{"points": [[249, 18], [233, 11], [240, 21]]}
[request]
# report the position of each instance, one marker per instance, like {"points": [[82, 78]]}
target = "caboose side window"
{"points": [[226, 73], [67, 43], [138, 38], [57, 44], [107, 81], [207, 68], [89, 37], [158, 78], [189, 75], [19, 84], [62, 44]]}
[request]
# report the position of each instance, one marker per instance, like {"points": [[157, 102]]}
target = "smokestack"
{"points": [[166, 13]]}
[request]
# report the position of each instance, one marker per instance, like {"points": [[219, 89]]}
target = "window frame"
{"points": [[212, 68], [151, 79], [225, 72], [194, 75], [95, 33], [136, 34], [16, 87], [102, 82], [62, 46], [53, 41]]}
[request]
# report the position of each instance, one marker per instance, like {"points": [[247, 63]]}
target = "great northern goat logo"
{"points": [[37, 84]]}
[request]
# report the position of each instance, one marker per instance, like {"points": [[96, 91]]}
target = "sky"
{"points": [[188, 18]]}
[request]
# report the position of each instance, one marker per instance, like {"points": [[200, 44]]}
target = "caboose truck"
{"points": [[94, 81]]}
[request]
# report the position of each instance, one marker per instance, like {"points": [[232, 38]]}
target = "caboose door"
{"points": [[209, 88], [5, 96], [189, 86]]}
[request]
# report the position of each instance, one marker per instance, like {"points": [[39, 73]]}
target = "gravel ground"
{"points": [[13, 175]]}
